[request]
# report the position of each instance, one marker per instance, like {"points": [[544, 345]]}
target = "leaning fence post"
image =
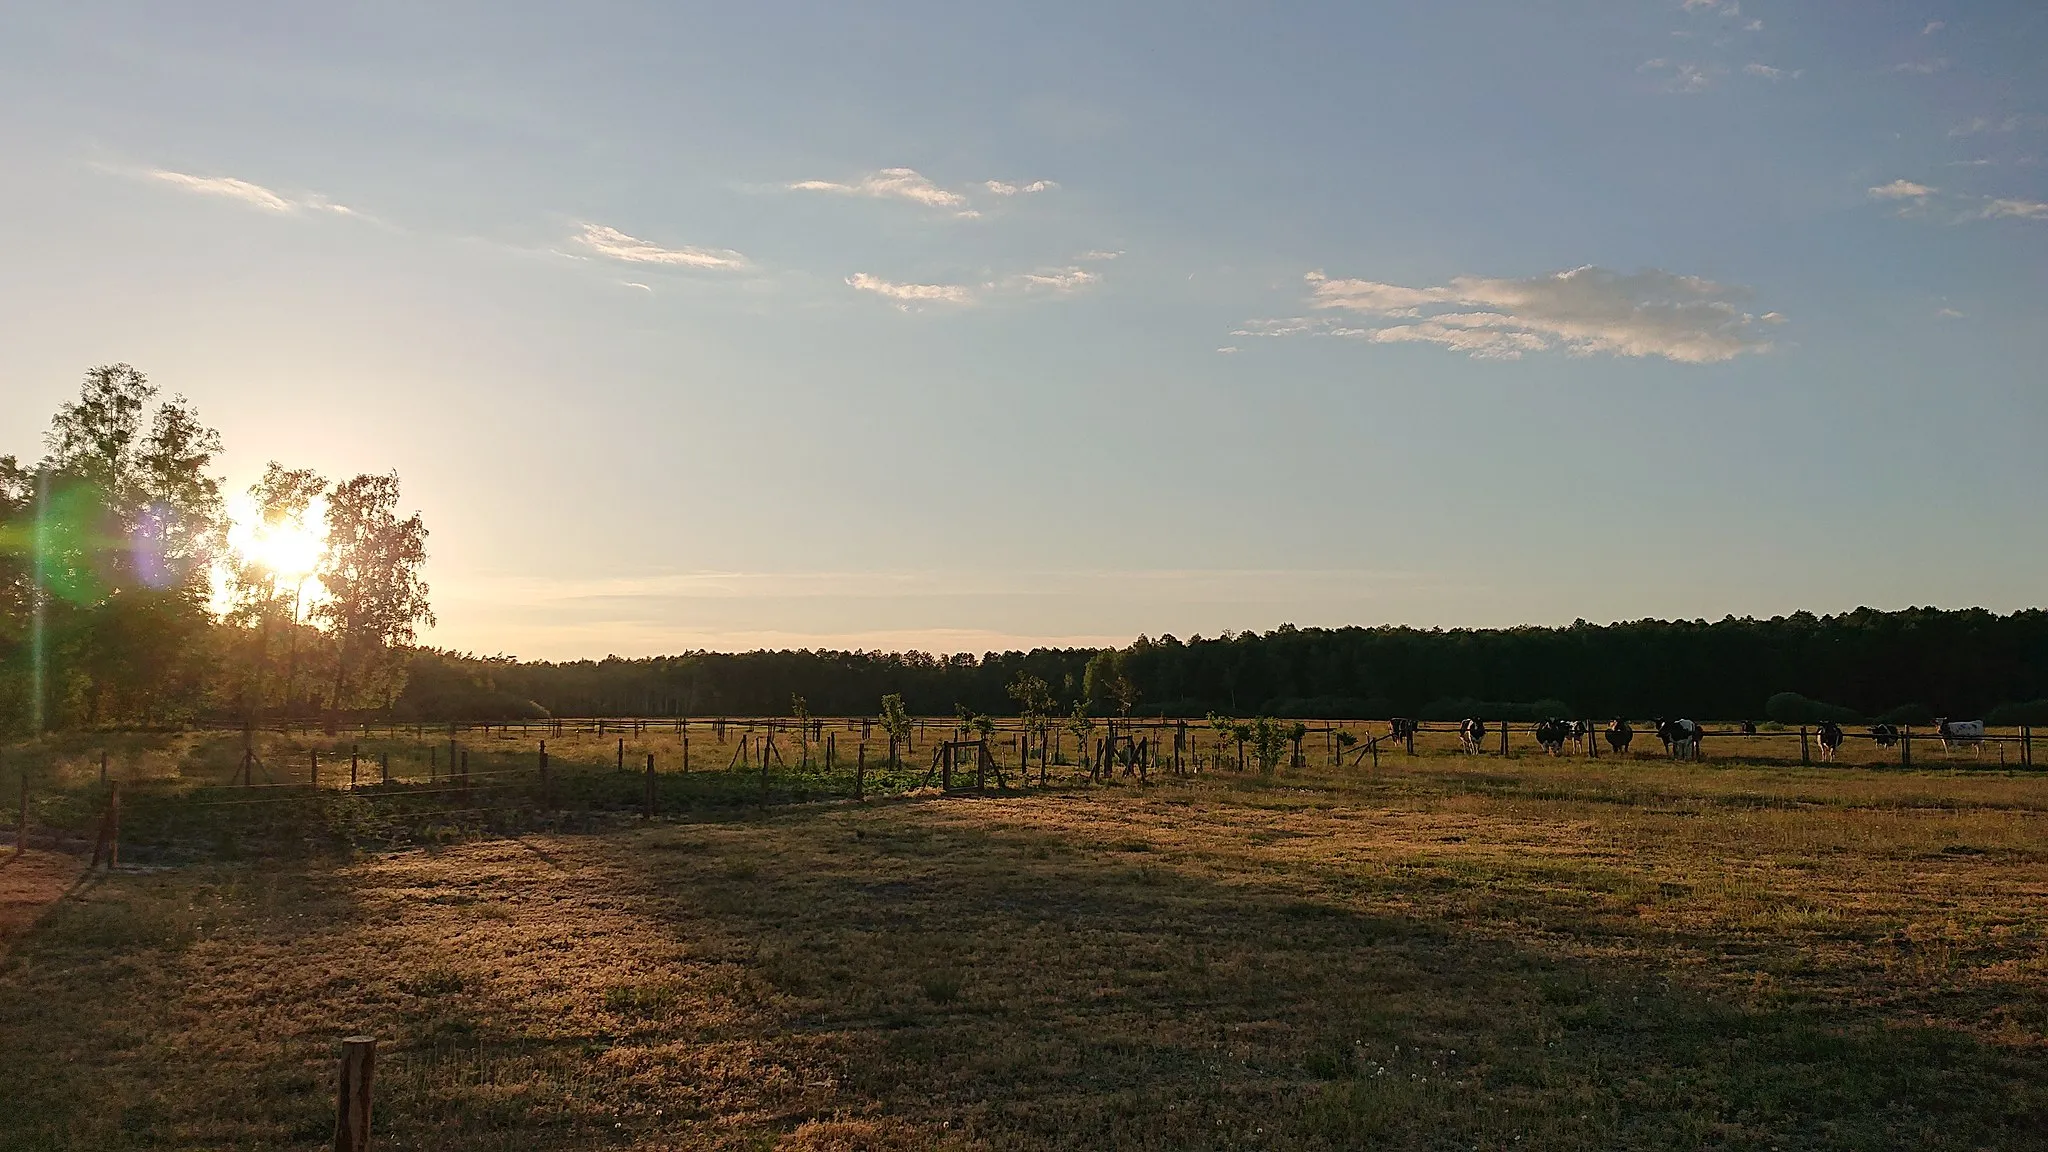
{"points": [[860, 769], [352, 1094]]}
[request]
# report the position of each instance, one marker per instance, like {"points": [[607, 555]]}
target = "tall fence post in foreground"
{"points": [[1805, 754], [544, 772], [355, 753], [384, 765], [1503, 737], [860, 769], [352, 1094], [313, 757], [1905, 745], [103, 765], [650, 785], [622, 754]]}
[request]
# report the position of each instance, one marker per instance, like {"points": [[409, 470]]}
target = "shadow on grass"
{"points": [[940, 966]]}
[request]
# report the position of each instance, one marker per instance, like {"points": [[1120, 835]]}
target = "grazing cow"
{"points": [[1552, 734], [1681, 738], [1403, 728], [1619, 736], [1581, 731], [1884, 735], [1470, 734], [1749, 727], [1830, 737], [1955, 733]]}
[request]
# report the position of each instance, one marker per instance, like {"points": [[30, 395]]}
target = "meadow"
{"points": [[1442, 951]]}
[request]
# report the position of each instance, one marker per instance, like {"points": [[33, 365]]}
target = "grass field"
{"points": [[1447, 952]]}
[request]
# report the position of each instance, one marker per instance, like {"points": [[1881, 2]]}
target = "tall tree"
{"points": [[376, 599], [267, 573]]}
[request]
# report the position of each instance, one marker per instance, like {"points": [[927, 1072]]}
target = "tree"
{"points": [[802, 713], [376, 599], [275, 555], [132, 525], [896, 722], [1034, 703]]}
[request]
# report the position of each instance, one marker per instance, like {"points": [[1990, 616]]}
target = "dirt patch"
{"points": [[28, 884]]}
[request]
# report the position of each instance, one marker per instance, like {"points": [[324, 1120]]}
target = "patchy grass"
{"points": [[1443, 954]]}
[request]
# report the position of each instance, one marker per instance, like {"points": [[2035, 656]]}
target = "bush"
{"points": [[1792, 708], [2031, 713]]}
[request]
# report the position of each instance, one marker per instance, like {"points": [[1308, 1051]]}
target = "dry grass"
{"points": [[1444, 954]]}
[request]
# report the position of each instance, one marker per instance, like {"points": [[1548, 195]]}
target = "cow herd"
{"points": [[1684, 739]]}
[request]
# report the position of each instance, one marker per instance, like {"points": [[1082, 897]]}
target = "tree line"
{"points": [[1905, 665], [129, 599]]}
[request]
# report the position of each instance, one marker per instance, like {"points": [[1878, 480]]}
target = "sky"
{"points": [[970, 327]]}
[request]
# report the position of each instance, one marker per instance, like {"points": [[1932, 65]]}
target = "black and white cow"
{"points": [[1619, 736], [1552, 734], [1681, 738], [1884, 735], [1581, 731], [1403, 728], [1830, 737], [1959, 733], [1471, 733]]}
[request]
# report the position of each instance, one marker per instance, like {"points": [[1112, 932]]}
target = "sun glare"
{"points": [[288, 549]]}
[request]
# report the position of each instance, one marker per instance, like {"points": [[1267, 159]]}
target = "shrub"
{"points": [[1792, 708]]}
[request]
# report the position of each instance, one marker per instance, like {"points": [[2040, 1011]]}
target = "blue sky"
{"points": [[957, 327]]}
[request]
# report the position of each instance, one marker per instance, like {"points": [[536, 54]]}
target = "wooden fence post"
{"points": [[686, 749], [1805, 752], [354, 754], [1905, 745], [313, 755], [352, 1094], [1503, 737], [544, 789], [103, 765], [622, 754], [384, 765], [650, 785]]}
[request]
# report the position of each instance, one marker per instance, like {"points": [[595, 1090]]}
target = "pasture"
{"points": [[1441, 952]]}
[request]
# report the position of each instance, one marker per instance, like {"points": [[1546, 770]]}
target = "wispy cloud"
{"points": [[1069, 279], [1923, 67], [1680, 76], [891, 184], [2016, 209], [1933, 26], [1902, 190], [908, 294], [1583, 311], [1770, 73], [616, 245], [1980, 125], [254, 195], [1948, 314], [1002, 189], [1100, 254]]}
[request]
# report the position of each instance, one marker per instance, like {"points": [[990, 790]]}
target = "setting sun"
{"points": [[287, 548]]}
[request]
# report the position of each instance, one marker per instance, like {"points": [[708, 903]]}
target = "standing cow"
{"points": [[1830, 738], [1884, 735], [1958, 733], [1581, 731], [1552, 734], [1681, 738], [1471, 733], [1619, 736]]}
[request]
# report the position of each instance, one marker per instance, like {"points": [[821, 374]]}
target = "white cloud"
{"points": [[1584, 311], [891, 184], [1933, 26], [1770, 73], [1003, 189], [1227, 350], [912, 293], [1071, 279], [254, 195], [1753, 26], [1922, 67], [616, 245], [1100, 254], [1901, 190], [1948, 314], [636, 284], [2016, 209]]}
